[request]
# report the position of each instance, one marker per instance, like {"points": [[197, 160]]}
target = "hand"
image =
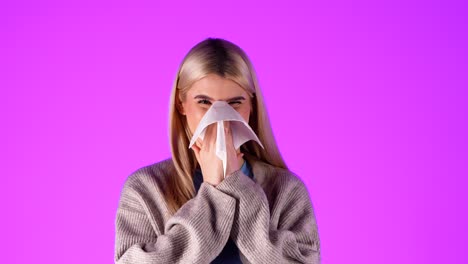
{"points": [[210, 164]]}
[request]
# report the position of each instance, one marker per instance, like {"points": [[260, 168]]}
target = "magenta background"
{"points": [[368, 102]]}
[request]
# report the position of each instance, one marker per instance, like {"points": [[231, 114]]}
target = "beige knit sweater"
{"points": [[270, 218]]}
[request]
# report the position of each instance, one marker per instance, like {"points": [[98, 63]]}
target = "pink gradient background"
{"points": [[367, 99]]}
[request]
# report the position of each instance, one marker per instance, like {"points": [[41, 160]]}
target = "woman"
{"points": [[183, 210]]}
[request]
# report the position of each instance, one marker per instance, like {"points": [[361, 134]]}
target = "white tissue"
{"points": [[241, 131]]}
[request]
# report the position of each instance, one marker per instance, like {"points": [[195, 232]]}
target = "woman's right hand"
{"points": [[210, 164]]}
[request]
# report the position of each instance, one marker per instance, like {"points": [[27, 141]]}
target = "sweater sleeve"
{"points": [[196, 233], [294, 240]]}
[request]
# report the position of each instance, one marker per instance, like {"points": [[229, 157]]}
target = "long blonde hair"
{"points": [[227, 60]]}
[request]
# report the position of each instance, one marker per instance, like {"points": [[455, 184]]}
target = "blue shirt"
{"points": [[230, 252]]}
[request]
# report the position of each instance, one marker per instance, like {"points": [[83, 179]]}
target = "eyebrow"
{"points": [[202, 96]]}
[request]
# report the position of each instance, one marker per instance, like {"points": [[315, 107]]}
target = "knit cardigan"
{"points": [[270, 218]]}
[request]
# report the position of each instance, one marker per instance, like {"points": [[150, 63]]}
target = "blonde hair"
{"points": [[221, 57]]}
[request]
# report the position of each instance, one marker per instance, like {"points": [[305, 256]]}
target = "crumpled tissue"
{"points": [[219, 112]]}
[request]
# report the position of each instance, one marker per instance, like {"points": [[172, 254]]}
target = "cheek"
{"points": [[193, 118], [245, 113]]}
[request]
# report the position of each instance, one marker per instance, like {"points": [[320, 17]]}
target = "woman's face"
{"points": [[214, 88]]}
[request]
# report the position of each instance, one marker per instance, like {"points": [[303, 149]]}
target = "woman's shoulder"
{"points": [[144, 188], [277, 180], [151, 177]]}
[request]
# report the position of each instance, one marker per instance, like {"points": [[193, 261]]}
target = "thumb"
{"points": [[196, 150]]}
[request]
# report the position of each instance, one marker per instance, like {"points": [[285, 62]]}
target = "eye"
{"points": [[235, 102], [204, 101]]}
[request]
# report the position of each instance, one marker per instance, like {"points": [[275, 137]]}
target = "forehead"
{"points": [[216, 87]]}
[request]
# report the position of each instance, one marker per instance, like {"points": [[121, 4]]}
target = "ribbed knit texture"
{"points": [[230, 253], [270, 218]]}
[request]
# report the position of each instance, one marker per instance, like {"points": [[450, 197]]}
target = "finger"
{"points": [[231, 150], [199, 143], [196, 150], [229, 136], [204, 143], [210, 136]]}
